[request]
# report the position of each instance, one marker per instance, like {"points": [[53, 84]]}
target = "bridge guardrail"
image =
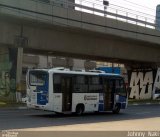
{"points": [[97, 9], [94, 8]]}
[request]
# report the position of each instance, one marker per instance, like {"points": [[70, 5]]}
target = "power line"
{"points": [[136, 5], [133, 10], [119, 7], [122, 9], [139, 5], [127, 2]]}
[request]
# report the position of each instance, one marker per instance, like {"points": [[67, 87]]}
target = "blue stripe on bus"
{"points": [[42, 98], [123, 105], [122, 100], [101, 102]]}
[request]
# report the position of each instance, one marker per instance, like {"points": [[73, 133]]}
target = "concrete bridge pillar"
{"points": [[19, 73]]}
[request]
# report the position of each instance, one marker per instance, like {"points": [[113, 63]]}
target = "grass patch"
{"points": [[2, 103], [10, 104]]}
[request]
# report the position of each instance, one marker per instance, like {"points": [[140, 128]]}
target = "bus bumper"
{"points": [[35, 106]]}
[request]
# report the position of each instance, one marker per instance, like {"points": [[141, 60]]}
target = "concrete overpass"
{"points": [[34, 27], [50, 29]]}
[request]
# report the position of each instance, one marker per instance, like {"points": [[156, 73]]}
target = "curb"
{"points": [[14, 108], [136, 104]]}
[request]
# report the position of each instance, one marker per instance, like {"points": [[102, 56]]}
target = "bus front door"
{"points": [[108, 94], [66, 93]]}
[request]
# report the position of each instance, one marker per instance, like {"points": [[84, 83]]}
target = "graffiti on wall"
{"points": [[144, 84], [7, 73], [7, 85], [156, 87]]}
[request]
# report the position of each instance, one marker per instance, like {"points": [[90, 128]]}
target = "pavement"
{"points": [[146, 103]]}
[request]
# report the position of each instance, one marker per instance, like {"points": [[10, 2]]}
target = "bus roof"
{"points": [[82, 72], [111, 74], [90, 72]]}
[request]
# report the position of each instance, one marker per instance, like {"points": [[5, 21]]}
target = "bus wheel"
{"points": [[117, 108], [58, 113], [80, 109]]}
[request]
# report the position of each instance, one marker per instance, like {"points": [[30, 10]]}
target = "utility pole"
{"points": [[105, 3], [20, 42]]}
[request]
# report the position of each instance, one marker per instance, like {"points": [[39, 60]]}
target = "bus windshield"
{"points": [[120, 87], [37, 78]]}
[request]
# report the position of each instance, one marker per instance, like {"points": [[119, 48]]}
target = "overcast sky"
{"points": [[147, 6]]}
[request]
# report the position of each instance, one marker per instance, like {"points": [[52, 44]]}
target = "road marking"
{"points": [[141, 113]]}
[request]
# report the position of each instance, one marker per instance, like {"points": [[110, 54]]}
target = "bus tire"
{"points": [[117, 109], [58, 113], [79, 109]]}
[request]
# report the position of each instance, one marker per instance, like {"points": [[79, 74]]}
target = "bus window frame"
{"points": [[36, 72], [62, 75], [99, 83], [54, 74], [124, 88], [107, 78], [85, 83]]}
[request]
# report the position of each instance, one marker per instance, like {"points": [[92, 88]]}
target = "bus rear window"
{"points": [[37, 78]]}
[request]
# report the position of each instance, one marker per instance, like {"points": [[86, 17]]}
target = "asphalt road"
{"points": [[143, 117]]}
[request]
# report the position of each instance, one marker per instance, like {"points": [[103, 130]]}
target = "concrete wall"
{"points": [[7, 74], [78, 43], [88, 44], [30, 59], [40, 61]]}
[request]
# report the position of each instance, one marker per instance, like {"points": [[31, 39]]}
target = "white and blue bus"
{"points": [[61, 90]]}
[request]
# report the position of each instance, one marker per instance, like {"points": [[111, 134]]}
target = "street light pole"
{"points": [[105, 3]]}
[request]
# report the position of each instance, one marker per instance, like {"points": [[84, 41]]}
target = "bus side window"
{"points": [[57, 83], [120, 88], [95, 84], [80, 84]]}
